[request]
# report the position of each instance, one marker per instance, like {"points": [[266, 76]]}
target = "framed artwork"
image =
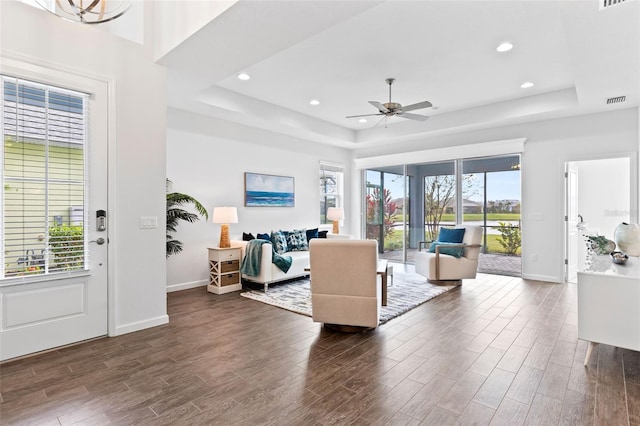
{"points": [[268, 190]]}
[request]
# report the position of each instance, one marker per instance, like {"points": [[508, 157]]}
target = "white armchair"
{"points": [[344, 286], [439, 267]]}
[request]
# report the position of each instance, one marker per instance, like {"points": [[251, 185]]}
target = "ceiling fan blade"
{"points": [[412, 116], [364, 115], [380, 107], [419, 105]]}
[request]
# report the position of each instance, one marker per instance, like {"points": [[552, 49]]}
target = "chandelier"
{"points": [[87, 11]]}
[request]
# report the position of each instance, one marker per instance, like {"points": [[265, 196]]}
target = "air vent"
{"points": [[604, 4], [616, 100]]}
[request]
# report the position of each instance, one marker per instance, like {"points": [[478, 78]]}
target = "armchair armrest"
{"points": [[449, 246], [424, 244]]}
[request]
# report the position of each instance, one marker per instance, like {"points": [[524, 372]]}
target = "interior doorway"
{"points": [[598, 198]]}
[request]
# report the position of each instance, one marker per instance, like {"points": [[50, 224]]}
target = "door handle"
{"points": [[100, 241]]}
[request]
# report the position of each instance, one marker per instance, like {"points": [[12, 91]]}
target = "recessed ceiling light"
{"points": [[504, 47], [526, 85], [314, 102], [244, 76], [362, 120]]}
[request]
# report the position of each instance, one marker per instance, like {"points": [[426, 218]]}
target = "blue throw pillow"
{"points": [[264, 236], [457, 252], [312, 233], [279, 242], [451, 235], [297, 240], [247, 237]]}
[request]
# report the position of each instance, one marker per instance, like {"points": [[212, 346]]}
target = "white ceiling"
{"points": [[341, 52]]}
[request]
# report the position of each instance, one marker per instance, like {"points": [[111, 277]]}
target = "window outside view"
{"points": [[43, 176], [490, 189], [331, 182]]}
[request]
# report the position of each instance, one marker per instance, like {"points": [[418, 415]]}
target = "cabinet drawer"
{"points": [[229, 266], [229, 279], [221, 255]]}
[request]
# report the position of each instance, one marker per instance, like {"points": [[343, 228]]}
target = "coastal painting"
{"points": [[268, 190]]}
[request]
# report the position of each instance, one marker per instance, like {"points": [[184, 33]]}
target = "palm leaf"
{"points": [[175, 214], [176, 198]]}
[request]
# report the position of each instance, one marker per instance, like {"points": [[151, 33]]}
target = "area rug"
{"points": [[408, 291]]}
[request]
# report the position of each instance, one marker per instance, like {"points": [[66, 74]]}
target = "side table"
{"points": [[224, 270]]}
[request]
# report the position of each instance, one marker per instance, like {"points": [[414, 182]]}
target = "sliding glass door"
{"points": [[408, 204], [491, 197], [386, 210]]}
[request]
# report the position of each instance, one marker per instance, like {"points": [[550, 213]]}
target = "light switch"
{"points": [[148, 222]]}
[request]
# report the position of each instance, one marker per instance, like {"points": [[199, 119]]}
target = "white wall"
{"points": [[207, 159], [175, 22], [604, 193], [137, 149], [549, 144]]}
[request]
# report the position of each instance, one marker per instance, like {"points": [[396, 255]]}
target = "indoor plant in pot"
{"points": [[600, 244]]}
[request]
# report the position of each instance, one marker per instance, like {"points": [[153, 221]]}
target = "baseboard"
{"points": [[186, 286], [141, 325], [545, 278]]}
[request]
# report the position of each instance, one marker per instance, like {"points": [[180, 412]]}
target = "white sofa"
{"points": [[270, 273]]}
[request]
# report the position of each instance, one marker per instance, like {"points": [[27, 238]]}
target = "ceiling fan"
{"points": [[390, 109]]}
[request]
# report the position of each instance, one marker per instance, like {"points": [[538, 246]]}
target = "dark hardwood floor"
{"points": [[498, 350]]}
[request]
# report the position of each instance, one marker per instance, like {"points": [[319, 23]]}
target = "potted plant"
{"points": [[600, 244], [175, 214]]}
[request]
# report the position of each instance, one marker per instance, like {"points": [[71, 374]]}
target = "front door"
{"points": [[53, 280]]}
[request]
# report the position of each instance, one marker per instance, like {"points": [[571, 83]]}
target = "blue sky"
{"points": [[503, 186]]}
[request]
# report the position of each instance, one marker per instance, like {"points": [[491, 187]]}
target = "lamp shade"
{"points": [[225, 215], [335, 213]]}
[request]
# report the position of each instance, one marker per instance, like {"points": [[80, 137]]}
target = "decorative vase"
{"points": [[627, 237]]}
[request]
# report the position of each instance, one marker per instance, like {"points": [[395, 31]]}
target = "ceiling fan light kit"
{"points": [[390, 109]]}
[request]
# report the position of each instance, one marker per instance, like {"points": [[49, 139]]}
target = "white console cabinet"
{"points": [[609, 303]]}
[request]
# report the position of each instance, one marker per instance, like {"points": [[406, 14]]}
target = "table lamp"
{"points": [[224, 216], [335, 214]]}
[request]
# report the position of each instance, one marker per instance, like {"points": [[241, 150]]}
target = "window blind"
{"points": [[43, 174]]}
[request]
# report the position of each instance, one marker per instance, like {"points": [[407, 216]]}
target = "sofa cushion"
{"points": [[263, 236], [322, 234], [297, 240], [279, 242]]}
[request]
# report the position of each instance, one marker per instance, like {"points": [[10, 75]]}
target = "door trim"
{"points": [[57, 74]]}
